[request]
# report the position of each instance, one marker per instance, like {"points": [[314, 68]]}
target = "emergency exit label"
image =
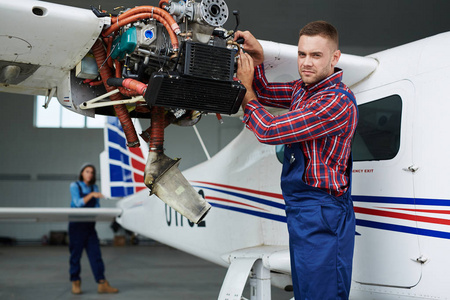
{"points": [[363, 171]]}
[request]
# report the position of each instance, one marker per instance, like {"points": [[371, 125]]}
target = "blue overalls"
{"points": [[321, 232], [83, 235]]}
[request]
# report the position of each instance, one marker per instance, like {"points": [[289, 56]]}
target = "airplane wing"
{"points": [[37, 57], [47, 214], [280, 61]]}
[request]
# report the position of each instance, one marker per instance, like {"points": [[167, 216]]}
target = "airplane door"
{"points": [[386, 243]]}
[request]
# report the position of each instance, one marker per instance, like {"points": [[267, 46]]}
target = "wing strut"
{"points": [[237, 275], [201, 142]]}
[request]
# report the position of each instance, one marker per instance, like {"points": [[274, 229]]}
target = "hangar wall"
{"points": [[37, 165]]}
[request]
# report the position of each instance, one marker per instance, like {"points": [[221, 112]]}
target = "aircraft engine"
{"points": [[170, 63], [179, 50], [191, 69]]}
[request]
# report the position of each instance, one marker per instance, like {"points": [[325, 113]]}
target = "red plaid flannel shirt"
{"points": [[322, 122]]}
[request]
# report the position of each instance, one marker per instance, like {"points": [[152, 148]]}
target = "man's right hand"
{"points": [[251, 46]]}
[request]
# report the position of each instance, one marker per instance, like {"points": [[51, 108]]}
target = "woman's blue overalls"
{"points": [[83, 235], [321, 232]]}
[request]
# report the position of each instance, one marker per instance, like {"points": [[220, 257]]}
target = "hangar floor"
{"points": [[139, 272]]}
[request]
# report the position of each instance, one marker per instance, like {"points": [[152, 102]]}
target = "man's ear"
{"points": [[335, 58]]}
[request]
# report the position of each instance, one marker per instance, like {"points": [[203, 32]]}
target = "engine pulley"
{"points": [[214, 12]]}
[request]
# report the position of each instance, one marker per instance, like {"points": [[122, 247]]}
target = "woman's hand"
{"points": [[91, 196], [97, 195]]}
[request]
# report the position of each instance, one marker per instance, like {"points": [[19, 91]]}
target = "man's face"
{"points": [[317, 57]]}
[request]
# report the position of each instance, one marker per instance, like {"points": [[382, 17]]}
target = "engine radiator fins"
{"points": [[175, 91], [209, 62]]}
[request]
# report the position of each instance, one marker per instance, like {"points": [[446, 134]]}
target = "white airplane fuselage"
{"points": [[404, 224]]}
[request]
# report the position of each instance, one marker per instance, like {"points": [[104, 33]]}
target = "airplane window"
{"points": [[279, 149], [377, 136], [56, 116]]}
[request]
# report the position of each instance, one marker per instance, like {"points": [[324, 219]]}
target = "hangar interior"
{"points": [[38, 164]]}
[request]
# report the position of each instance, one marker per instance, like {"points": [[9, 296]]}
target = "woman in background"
{"points": [[82, 235]]}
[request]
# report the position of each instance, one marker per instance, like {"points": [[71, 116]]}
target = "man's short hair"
{"points": [[323, 29]]}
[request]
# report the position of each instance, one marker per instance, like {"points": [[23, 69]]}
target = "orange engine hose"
{"points": [[135, 85], [142, 110], [95, 83], [162, 2], [109, 42], [157, 129], [119, 67], [121, 110], [152, 10], [141, 16], [147, 133], [128, 93], [123, 90]]}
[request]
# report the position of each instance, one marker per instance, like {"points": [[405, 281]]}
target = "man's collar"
{"points": [[331, 80]]}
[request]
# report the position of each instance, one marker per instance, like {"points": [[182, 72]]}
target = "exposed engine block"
{"points": [[190, 66]]}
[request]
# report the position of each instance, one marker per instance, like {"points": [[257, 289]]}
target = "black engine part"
{"points": [[170, 89], [203, 82]]}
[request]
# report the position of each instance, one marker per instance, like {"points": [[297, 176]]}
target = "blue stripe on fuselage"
{"points": [[404, 229], [247, 197], [398, 200], [252, 212], [359, 222]]}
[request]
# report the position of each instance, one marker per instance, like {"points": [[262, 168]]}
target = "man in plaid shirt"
{"points": [[317, 132]]}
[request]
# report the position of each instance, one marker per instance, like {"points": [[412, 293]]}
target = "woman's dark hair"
{"points": [[80, 177]]}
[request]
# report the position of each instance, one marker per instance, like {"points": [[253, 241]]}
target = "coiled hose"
{"points": [[159, 121], [157, 129], [121, 109]]}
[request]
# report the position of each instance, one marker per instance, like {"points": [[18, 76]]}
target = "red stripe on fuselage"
{"points": [[431, 211], [231, 201], [278, 196], [389, 214]]}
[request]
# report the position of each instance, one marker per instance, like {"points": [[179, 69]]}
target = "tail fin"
{"points": [[122, 168]]}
